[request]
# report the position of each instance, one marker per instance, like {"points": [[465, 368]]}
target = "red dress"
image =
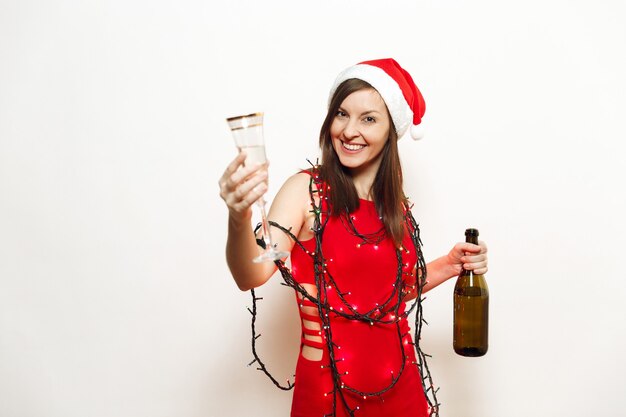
{"points": [[368, 355]]}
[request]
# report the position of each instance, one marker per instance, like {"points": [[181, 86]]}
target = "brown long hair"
{"points": [[387, 187]]}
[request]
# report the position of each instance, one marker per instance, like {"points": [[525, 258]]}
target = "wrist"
{"points": [[237, 220]]}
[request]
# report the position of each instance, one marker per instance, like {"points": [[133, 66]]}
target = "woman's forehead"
{"points": [[366, 97]]}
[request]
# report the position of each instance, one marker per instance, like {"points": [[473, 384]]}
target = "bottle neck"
{"points": [[466, 273], [471, 236]]}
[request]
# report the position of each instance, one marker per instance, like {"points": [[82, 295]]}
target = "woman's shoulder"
{"points": [[299, 179], [296, 186], [292, 204]]}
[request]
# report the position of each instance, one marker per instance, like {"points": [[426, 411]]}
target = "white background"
{"points": [[115, 299]]}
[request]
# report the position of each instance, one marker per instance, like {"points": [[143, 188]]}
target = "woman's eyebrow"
{"points": [[363, 113]]}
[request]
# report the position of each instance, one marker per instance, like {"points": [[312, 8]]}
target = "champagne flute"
{"points": [[248, 133]]}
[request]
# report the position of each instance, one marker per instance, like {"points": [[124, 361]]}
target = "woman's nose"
{"points": [[351, 130]]}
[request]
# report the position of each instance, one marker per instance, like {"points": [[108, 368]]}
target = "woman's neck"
{"points": [[363, 180]]}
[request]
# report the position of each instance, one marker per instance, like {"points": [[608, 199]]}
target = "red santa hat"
{"points": [[402, 97]]}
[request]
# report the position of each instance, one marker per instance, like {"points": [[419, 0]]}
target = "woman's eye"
{"points": [[369, 119], [340, 113]]}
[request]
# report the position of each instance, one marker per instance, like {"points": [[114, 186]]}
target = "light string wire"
{"points": [[375, 316]]}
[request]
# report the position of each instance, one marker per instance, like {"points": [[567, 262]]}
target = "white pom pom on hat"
{"points": [[395, 85], [417, 131]]}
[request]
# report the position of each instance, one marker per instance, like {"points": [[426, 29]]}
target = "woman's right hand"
{"points": [[241, 186]]}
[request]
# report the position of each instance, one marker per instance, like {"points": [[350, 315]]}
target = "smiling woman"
{"points": [[358, 114], [355, 249]]}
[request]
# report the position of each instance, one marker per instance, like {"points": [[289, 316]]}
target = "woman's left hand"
{"points": [[469, 257]]}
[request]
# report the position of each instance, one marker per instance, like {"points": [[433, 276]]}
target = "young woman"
{"points": [[355, 251]]}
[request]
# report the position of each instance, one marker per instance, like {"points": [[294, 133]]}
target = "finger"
{"points": [[476, 267], [236, 180], [244, 174], [235, 164], [233, 194], [241, 197], [251, 197], [251, 184], [480, 271], [467, 248], [481, 257], [231, 169]]}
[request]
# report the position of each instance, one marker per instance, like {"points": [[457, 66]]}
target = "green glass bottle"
{"points": [[471, 310]]}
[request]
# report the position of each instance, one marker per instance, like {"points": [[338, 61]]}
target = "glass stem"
{"points": [[267, 237]]}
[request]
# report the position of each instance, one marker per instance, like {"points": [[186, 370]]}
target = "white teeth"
{"points": [[352, 147]]}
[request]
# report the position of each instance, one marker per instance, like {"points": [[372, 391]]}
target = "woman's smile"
{"points": [[352, 147]]}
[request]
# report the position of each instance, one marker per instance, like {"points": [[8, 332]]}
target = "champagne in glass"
{"points": [[248, 133]]}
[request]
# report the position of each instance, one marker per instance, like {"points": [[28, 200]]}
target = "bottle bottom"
{"points": [[472, 352]]}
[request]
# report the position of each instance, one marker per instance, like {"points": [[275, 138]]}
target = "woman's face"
{"points": [[360, 130]]}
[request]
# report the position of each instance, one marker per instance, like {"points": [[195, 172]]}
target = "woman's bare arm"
{"points": [[240, 187], [462, 256]]}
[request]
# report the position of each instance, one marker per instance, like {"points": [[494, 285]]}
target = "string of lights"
{"points": [[386, 313]]}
